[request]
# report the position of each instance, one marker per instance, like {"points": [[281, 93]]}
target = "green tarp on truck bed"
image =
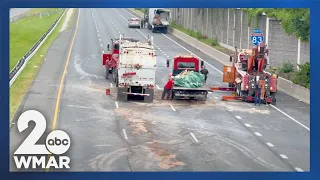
{"points": [[189, 79]]}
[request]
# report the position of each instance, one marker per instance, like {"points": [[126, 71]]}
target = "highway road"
{"points": [[17, 11], [108, 135]]}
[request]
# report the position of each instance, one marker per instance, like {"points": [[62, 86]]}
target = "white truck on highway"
{"points": [[136, 70], [158, 19]]}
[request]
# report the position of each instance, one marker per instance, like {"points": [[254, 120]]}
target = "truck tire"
{"points": [[149, 99], [121, 96], [204, 98], [165, 31]]}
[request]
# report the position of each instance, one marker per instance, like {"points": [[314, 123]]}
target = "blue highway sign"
{"points": [[256, 38]]}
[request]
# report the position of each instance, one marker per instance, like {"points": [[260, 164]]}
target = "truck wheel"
{"points": [[149, 99], [165, 31], [204, 98], [121, 95]]}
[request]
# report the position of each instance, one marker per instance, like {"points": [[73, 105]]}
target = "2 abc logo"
{"points": [[57, 142]]}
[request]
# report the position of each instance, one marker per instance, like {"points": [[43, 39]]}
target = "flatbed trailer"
{"points": [[199, 93]]}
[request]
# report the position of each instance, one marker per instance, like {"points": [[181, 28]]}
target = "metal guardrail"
{"points": [[14, 73]]}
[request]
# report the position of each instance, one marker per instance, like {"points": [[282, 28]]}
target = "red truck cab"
{"points": [[183, 62]]}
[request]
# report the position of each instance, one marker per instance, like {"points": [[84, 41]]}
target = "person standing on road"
{"points": [[142, 23], [168, 89], [257, 93], [205, 72]]}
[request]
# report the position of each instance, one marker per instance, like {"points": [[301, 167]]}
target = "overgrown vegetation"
{"points": [[294, 21], [203, 38], [300, 77]]}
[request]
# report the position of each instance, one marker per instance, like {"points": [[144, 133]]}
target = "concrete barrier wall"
{"points": [[284, 85], [232, 28]]}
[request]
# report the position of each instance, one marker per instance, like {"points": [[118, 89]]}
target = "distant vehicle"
{"points": [[158, 19], [134, 22]]}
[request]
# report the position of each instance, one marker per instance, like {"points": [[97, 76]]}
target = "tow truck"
{"points": [[249, 67]]}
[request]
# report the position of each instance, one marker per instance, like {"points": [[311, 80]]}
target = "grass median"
{"points": [[23, 82], [25, 32]]}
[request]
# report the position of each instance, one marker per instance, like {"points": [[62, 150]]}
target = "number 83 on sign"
{"points": [[257, 39], [57, 142]]}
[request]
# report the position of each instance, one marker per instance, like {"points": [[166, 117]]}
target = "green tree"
{"points": [[294, 21]]}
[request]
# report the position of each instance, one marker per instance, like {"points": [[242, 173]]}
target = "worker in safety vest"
{"points": [[168, 89], [274, 73]]}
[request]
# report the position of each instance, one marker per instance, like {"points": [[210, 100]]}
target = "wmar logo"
{"points": [[32, 155]]}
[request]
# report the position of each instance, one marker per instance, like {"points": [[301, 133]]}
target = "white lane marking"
{"points": [[98, 35], [258, 134], [269, 144], [216, 97], [172, 108], [125, 133], [298, 169], [111, 85], [99, 39], [102, 51], [158, 87], [290, 117], [210, 92], [283, 156], [248, 125], [117, 105], [238, 117], [119, 32], [84, 107], [194, 137], [101, 45], [217, 70], [97, 31], [230, 110]]}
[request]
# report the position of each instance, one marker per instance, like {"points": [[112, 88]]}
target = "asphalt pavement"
{"points": [[108, 135]]}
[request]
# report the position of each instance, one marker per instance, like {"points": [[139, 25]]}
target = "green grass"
{"points": [[24, 81], [37, 10], [197, 35], [25, 32]]}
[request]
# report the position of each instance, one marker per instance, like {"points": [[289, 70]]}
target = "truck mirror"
{"points": [[108, 47], [202, 64], [230, 58], [168, 62]]}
